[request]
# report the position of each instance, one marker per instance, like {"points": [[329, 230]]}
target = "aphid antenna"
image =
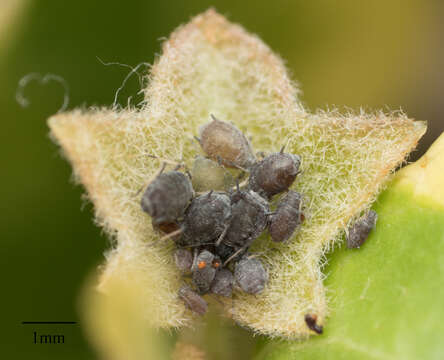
{"points": [[214, 117], [210, 193], [150, 180], [282, 149]]}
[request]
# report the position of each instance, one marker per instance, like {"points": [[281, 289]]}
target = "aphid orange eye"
{"points": [[216, 264], [202, 264]]}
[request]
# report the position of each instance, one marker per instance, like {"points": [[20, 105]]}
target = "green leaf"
{"points": [[387, 297]]}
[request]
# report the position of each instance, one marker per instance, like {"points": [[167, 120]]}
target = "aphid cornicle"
{"points": [[206, 219], [359, 232], [222, 283], [274, 174], [287, 217], [225, 142], [249, 218], [204, 271], [250, 274], [166, 197], [192, 300], [311, 321]]}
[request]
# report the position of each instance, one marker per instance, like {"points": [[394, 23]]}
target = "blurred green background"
{"points": [[379, 54]]}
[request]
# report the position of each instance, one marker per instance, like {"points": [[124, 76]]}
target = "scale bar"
{"points": [[48, 322]]}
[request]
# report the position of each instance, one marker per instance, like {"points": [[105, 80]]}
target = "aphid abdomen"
{"points": [[206, 218], [223, 283], [224, 141], [203, 271], [251, 275], [167, 197], [192, 300], [359, 232], [274, 174], [286, 218]]}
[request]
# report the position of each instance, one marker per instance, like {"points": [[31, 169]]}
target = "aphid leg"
{"points": [[239, 251], [170, 235], [221, 237], [236, 187], [151, 179], [282, 149], [195, 254], [197, 139]]}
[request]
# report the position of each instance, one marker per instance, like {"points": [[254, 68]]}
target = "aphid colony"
{"points": [[214, 230]]}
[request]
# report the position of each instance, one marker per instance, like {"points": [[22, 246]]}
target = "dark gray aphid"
{"points": [[192, 300], [167, 196], [311, 321], [249, 218], [274, 174], [204, 271], [224, 141], [223, 283], [359, 232], [250, 274], [183, 259], [287, 217], [206, 219]]}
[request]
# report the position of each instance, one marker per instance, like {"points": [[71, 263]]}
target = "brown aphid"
{"points": [[359, 232], [192, 300], [287, 217], [167, 196], [311, 321], [225, 142], [204, 272], [183, 259], [274, 174], [223, 283], [250, 275]]}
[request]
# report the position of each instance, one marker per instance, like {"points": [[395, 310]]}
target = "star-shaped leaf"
{"points": [[211, 66]]}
